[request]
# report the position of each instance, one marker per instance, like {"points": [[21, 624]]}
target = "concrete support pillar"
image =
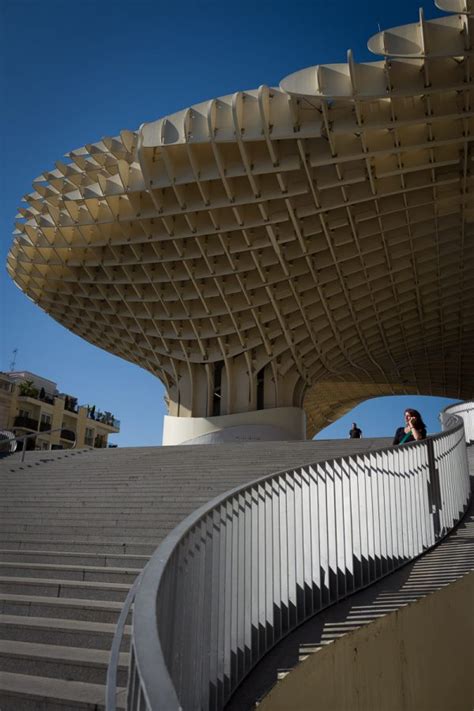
{"points": [[275, 424], [211, 392]]}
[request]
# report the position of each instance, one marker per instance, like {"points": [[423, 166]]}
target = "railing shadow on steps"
{"points": [[244, 570]]}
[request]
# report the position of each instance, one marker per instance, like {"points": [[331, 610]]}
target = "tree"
{"points": [[27, 389]]}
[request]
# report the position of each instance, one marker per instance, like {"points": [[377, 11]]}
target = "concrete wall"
{"points": [[279, 423], [419, 658]]}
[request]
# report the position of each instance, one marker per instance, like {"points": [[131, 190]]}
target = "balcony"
{"points": [[70, 403], [69, 435], [27, 390], [110, 422], [46, 398], [26, 423], [45, 426], [104, 418]]}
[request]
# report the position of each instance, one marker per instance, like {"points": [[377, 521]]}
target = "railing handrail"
{"points": [[464, 409], [112, 669], [151, 665], [35, 434]]}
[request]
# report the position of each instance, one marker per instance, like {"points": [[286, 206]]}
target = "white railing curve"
{"points": [[465, 410], [248, 567]]}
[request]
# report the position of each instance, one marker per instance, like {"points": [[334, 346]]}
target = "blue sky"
{"points": [[72, 72]]}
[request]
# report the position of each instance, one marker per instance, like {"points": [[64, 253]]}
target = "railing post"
{"points": [[23, 452], [111, 681], [434, 492]]}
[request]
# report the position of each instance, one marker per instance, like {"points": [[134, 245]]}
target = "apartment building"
{"points": [[31, 404]]}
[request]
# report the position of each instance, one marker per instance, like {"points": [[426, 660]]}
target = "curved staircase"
{"points": [[77, 527]]}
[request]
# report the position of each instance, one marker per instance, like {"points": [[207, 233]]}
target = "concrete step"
{"points": [[115, 497], [42, 506], [21, 692], [59, 492], [50, 660], [66, 633], [112, 543], [106, 611], [125, 520], [69, 572], [78, 545], [71, 531], [62, 490], [122, 499], [75, 514], [64, 558], [64, 588], [45, 506]]}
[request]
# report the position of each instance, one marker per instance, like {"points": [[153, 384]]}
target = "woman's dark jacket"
{"points": [[400, 433]]}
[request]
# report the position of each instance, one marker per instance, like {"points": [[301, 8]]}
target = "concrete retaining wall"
{"points": [[419, 658]]}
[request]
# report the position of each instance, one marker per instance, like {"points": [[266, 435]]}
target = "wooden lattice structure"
{"points": [[308, 245]]}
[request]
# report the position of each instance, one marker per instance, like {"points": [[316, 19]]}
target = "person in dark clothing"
{"points": [[355, 432], [414, 429]]}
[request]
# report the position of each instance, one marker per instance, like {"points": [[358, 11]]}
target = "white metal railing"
{"points": [[241, 572], [11, 442], [465, 410]]}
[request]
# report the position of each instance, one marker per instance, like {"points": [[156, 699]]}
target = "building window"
{"points": [[217, 390], [68, 434], [100, 441], [45, 423]]}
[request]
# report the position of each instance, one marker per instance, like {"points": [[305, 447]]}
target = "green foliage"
{"points": [[27, 389]]}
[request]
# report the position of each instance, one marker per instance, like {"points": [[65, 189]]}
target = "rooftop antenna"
{"points": [[13, 361], [378, 25]]}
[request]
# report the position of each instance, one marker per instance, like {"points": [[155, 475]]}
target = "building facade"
{"points": [[278, 255], [32, 404]]}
